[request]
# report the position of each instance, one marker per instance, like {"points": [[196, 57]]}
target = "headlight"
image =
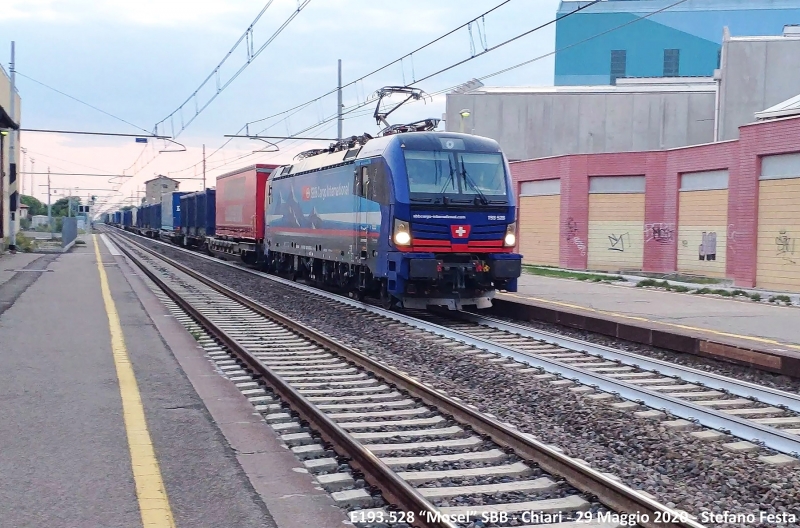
{"points": [[511, 238], [402, 233]]}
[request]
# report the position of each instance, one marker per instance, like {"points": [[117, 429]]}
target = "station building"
{"points": [[8, 174], [601, 44]]}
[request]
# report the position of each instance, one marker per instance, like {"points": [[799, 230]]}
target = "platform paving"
{"points": [[65, 459], [744, 320]]}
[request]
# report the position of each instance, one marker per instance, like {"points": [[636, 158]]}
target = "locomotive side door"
{"points": [[361, 248]]}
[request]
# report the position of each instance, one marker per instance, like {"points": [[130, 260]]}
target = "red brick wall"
{"points": [[663, 169]]}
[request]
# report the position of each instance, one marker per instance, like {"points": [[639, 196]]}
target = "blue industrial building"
{"points": [[624, 38]]}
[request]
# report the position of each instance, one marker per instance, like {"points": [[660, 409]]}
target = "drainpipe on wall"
{"points": [[718, 74]]}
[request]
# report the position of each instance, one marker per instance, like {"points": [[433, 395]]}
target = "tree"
{"points": [[35, 207], [59, 208]]}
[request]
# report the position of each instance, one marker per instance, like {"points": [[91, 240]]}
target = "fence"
{"points": [[69, 231]]}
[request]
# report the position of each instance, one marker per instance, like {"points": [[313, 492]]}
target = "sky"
{"points": [[139, 61]]}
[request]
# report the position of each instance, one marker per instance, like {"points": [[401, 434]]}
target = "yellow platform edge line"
{"points": [[150, 490], [674, 325]]}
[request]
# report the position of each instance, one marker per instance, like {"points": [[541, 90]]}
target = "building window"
{"points": [[619, 63], [672, 62], [164, 185]]}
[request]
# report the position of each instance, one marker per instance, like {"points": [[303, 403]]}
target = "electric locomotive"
{"points": [[415, 218]]}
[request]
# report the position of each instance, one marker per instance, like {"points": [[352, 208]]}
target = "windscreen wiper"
{"points": [[449, 181], [468, 179]]}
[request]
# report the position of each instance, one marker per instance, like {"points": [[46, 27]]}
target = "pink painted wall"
{"points": [[662, 170]]}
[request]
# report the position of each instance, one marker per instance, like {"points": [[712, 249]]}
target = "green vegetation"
{"points": [[35, 207], [785, 299], [662, 284], [547, 271], [755, 296], [24, 244]]}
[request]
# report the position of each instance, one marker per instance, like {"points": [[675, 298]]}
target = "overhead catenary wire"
{"points": [[247, 35], [82, 102], [297, 108]]}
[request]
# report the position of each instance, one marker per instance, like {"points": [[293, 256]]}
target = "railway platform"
{"points": [[113, 417], [742, 331]]}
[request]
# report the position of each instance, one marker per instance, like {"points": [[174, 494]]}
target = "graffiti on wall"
{"points": [[708, 247], [572, 236], [732, 238], [660, 233], [617, 242], [785, 246]]}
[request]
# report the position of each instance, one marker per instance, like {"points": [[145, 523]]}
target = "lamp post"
{"points": [[464, 114]]}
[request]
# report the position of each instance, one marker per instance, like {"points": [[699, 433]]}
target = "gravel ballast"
{"points": [[680, 471]]}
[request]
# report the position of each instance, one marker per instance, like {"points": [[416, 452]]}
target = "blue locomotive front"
{"points": [[416, 219]]}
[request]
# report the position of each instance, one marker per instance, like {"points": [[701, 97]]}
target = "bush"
{"points": [[646, 282], [736, 293], [24, 223], [780, 299], [755, 296], [724, 293], [25, 244], [680, 289], [702, 291]]}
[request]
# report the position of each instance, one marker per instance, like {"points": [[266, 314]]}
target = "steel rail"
{"points": [[376, 472], [760, 393], [771, 437], [651, 514]]}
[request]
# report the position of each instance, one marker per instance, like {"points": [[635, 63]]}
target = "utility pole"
{"points": [[12, 157], [339, 106], [33, 177], [204, 167], [49, 210]]}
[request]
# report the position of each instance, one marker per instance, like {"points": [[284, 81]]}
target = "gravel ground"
{"points": [[678, 470]]}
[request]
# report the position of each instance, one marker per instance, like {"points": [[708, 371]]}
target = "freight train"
{"points": [[412, 218]]}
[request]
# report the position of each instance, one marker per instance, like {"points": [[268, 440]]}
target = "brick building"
{"points": [[727, 209]]}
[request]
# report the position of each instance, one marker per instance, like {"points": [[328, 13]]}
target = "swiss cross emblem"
{"points": [[306, 193], [459, 231]]}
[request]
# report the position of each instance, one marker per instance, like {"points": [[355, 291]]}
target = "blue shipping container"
{"points": [[171, 211], [206, 212]]}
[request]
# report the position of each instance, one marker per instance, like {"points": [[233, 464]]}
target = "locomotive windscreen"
{"points": [[460, 177]]}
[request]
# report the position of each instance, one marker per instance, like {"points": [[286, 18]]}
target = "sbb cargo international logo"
{"points": [[306, 193]]}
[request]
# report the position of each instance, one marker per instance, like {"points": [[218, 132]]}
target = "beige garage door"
{"points": [[616, 223], [539, 210], [703, 223], [778, 259]]}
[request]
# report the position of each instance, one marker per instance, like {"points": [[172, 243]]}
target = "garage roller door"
{"points": [[703, 223], [539, 210], [616, 223], [778, 258]]}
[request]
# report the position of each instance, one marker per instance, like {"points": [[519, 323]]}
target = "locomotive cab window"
{"points": [[371, 182], [457, 177]]}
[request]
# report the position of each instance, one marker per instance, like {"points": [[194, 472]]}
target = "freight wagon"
{"points": [[198, 217], [240, 199], [171, 216]]}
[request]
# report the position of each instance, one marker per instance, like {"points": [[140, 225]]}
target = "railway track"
{"points": [[761, 415], [428, 455]]}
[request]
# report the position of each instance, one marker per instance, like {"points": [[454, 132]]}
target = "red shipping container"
{"points": [[240, 202]]}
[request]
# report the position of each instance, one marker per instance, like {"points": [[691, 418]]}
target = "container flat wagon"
{"points": [[240, 199], [171, 217], [198, 218]]}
